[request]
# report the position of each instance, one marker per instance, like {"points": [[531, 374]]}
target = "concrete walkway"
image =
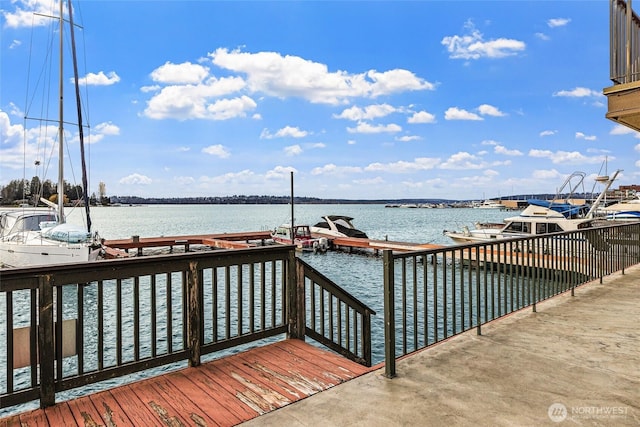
{"points": [[574, 362]]}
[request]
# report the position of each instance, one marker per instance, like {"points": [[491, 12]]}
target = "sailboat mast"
{"points": [[85, 181], [60, 124]]}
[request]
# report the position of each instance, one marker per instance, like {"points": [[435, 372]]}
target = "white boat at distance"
{"points": [[301, 238], [337, 226], [625, 210], [488, 204], [538, 219]]}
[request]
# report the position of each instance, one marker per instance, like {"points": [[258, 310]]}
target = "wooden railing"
{"points": [[68, 326], [624, 43], [432, 295]]}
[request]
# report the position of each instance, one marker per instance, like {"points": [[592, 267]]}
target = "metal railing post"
{"points": [[389, 315]]}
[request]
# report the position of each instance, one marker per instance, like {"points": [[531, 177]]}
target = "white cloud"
{"points": [[100, 79], [418, 164], [292, 76], [107, 128], [454, 113], [363, 127], [578, 92], [280, 172], [422, 117], [368, 113], [548, 133], [408, 138], [546, 174], [558, 22], [473, 46], [580, 135], [285, 132], [490, 110], [227, 178], [217, 150], [185, 73], [369, 181], [332, 169], [184, 180], [463, 160], [499, 149], [293, 150], [135, 179], [15, 43], [567, 157], [542, 36], [623, 130]]}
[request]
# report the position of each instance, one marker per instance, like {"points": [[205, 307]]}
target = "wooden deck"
{"points": [[223, 392]]}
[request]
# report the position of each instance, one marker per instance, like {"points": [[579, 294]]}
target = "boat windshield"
{"points": [[545, 228], [31, 222], [518, 227]]}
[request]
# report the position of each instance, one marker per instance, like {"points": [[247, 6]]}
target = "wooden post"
{"points": [[389, 315], [46, 352], [194, 319], [300, 301], [294, 329]]}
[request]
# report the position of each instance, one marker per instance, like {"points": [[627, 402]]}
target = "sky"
{"points": [[360, 99]]}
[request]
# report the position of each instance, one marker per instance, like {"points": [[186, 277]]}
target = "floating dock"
{"points": [[119, 248]]}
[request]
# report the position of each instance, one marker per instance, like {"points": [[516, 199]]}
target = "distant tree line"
{"points": [[19, 191]]}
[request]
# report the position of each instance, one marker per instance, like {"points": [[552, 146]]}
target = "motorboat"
{"points": [[301, 238], [337, 226], [539, 217], [626, 210], [488, 204]]}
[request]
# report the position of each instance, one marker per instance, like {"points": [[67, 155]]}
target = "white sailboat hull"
{"points": [[37, 251]]}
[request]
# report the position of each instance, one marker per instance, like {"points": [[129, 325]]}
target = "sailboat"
{"points": [[33, 236]]}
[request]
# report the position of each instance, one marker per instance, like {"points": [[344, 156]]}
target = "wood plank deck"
{"points": [[223, 392]]}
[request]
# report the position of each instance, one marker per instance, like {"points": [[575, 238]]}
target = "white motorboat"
{"points": [[31, 236], [540, 217], [626, 210], [337, 226], [489, 204], [301, 238]]}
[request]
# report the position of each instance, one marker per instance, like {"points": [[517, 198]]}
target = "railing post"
{"points": [[194, 318], [301, 310], [46, 352], [366, 337], [389, 315], [292, 310]]}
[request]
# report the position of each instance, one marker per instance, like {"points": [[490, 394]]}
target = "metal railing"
{"points": [[334, 317], [624, 39], [432, 295], [68, 326]]}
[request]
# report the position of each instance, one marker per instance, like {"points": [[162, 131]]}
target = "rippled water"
{"points": [[360, 275]]}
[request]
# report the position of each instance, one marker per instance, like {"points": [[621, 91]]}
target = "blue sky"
{"points": [[362, 100]]}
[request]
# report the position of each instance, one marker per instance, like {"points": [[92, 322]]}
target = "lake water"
{"points": [[360, 275]]}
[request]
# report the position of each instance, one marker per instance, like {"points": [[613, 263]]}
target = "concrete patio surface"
{"points": [[576, 361]]}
